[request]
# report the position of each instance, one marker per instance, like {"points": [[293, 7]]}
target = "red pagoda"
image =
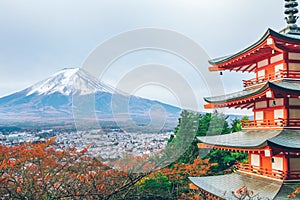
{"points": [[272, 139]]}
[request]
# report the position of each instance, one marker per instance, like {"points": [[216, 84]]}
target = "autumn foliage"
{"points": [[45, 171], [294, 194], [40, 171], [245, 193], [172, 182]]}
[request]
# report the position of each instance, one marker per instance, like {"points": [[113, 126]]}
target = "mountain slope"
{"points": [[68, 81], [54, 100]]}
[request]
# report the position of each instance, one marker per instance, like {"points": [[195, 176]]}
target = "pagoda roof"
{"points": [[241, 61], [285, 84], [223, 186], [256, 139], [242, 139], [287, 138]]}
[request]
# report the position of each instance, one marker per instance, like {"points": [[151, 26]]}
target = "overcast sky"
{"points": [[39, 38]]}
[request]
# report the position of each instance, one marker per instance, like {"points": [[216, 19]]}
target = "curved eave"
{"points": [[287, 139], [222, 186], [292, 87], [288, 86], [248, 139], [269, 32], [283, 147], [237, 96]]}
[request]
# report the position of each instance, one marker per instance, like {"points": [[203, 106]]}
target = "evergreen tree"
{"points": [[236, 125], [226, 159], [207, 124]]}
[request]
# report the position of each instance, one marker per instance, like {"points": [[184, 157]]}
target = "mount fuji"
{"points": [[73, 93]]}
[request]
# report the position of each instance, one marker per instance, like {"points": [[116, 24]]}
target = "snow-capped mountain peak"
{"points": [[50, 103], [68, 81]]}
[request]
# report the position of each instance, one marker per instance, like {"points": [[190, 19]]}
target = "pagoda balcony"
{"points": [[270, 123], [295, 74], [267, 173]]}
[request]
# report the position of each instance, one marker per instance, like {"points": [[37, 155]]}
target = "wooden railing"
{"points": [[275, 76], [293, 175], [290, 73], [271, 123], [277, 174], [263, 123], [292, 122]]}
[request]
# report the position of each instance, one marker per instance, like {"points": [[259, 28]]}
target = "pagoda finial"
{"points": [[291, 10]]}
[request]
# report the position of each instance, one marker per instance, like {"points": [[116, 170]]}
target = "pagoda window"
{"points": [[294, 114], [259, 116], [261, 104], [294, 164], [277, 163], [277, 58], [294, 56], [294, 102], [255, 160], [263, 63], [294, 66], [278, 68], [276, 102], [261, 74], [279, 114]]}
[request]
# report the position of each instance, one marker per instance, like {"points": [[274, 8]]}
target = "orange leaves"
{"points": [[18, 189], [240, 190], [7, 163], [56, 185], [3, 164], [40, 171], [196, 197], [50, 149], [74, 175], [49, 142], [294, 194], [92, 174], [11, 163], [81, 177], [243, 193], [5, 177], [100, 187], [181, 171], [172, 181], [47, 177], [134, 164], [30, 167], [83, 150]]}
